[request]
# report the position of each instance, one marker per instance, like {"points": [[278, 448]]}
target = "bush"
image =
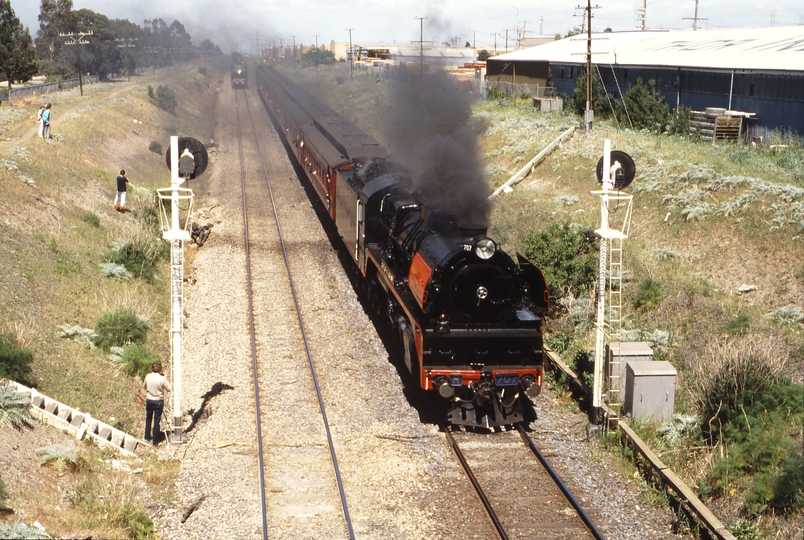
{"points": [[3, 494], [202, 70], [20, 531], [117, 327], [600, 102], [137, 360], [567, 257], [15, 408], [139, 257], [317, 57], [15, 363], [91, 218], [649, 295], [150, 91], [645, 106], [788, 491], [165, 99], [738, 325], [155, 147], [60, 456]]}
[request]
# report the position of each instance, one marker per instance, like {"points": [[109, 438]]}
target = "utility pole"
{"points": [[351, 55], [316, 41], [294, 48], [78, 38], [506, 40], [124, 43], [589, 114], [695, 19], [495, 42], [421, 43]]}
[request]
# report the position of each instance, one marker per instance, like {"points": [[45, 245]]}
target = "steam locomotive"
{"points": [[467, 315], [239, 71]]}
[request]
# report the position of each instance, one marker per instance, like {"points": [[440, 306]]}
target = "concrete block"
{"points": [[117, 438], [38, 401], [65, 413], [105, 432], [130, 444], [51, 406], [77, 419], [92, 426], [81, 432]]}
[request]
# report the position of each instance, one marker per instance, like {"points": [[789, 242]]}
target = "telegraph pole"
{"points": [[127, 43], [78, 38], [589, 114], [351, 55], [421, 43], [695, 19]]}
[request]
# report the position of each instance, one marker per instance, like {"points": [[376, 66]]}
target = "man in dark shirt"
{"points": [[121, 192]]}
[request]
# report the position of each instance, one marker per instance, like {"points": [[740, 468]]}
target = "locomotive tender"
{"points": [[466, 314], [239, 71]]}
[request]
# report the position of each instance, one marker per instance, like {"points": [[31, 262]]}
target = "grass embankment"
{"points": [[57, 225], [707, 219]]}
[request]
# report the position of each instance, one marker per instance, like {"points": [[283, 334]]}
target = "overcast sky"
{"points": [[238, 24]]}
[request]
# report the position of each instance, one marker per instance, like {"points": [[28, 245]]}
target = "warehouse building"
{"points": [[756, 72]]}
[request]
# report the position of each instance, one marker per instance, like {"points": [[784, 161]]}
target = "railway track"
{"points": [[528, 500], [301, 488]]}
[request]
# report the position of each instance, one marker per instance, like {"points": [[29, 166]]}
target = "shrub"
{"points": [[202, 70], [738, 325], [3, 494], [649, 295], [117, 327], [139, 257], [567, 257], [155, 147], [165, 99], [600, 102], [91, 218], [15, 408], [150, 91], [137, 360], [15, 362], [645, 107], [20, 531], [788, 491], [60, 456], [316, 57]]}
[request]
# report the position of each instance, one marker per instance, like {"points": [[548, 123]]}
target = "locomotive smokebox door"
{"points": [[190, 148]]}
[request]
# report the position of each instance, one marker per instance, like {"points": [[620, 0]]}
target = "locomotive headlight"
{"points": [[485, 248]]}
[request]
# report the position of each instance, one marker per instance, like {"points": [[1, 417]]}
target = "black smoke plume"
{"points": [[430, 130]]}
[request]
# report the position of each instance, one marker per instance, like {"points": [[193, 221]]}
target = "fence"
{"points": [[512, 90], [44, 88]]}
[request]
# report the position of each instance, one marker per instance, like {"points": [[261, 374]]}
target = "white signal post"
{"points": [[177, 235], [607, 195]]}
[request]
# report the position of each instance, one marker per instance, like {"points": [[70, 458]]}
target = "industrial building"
{"points": [[756, 72]]}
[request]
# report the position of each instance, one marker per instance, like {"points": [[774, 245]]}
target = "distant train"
{"points": [[239, 71], [466, 314]]}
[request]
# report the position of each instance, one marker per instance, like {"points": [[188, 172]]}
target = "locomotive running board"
{"points": [[463, 415]]}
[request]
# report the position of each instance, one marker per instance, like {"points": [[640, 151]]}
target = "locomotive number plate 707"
{"points": [[506, 379]]}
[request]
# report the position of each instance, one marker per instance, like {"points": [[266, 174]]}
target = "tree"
{"points": [[54, 18], [483, 55], [645, 105], [600, 104], [17, 57], [317, 57]]}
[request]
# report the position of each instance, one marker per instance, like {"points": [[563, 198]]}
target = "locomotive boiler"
{"points": [[466, 313]]}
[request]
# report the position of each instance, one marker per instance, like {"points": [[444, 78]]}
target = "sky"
{"points": [[242, 24]]}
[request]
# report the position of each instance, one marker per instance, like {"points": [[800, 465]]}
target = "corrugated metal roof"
{"points": [[762, 49]]}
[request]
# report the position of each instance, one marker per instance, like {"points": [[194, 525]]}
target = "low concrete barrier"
{"points": [[78, 423]]}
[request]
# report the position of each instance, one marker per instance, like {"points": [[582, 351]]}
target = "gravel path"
{"points": [[401, 480]]}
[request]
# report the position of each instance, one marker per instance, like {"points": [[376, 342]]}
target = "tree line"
{"points": [[116, 46]]}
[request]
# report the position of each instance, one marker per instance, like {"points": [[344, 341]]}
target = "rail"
{"points": [[684, 494]]}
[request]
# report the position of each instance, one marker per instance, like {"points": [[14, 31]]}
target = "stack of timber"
{"points": [[716, 124]]}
